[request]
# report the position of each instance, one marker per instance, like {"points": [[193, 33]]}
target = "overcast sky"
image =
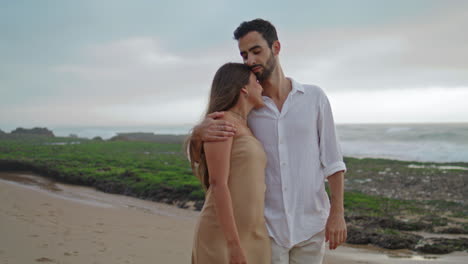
{"points": [[136, 63]]}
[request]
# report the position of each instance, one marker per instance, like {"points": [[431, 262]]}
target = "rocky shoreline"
{"points": [[388, 203], [163, 194], [382, 231], [390, 233]]}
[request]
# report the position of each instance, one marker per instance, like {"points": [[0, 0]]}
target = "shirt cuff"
{"points": [[335, 167]]}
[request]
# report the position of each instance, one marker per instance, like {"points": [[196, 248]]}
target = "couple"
{"points": [[263, 153]]}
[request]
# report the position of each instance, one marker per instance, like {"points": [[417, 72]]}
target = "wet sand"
{"points": [[46, 222]]}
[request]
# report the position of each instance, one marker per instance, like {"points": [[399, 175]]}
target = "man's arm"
{"points": [[334, 168], [211, 129], [335, 230]]}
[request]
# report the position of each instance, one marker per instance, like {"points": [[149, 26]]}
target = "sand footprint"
{"points": [[44, 259], [45, 245], [74, 253]]}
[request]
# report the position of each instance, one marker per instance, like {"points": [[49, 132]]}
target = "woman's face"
{"points": [[255, 92]]}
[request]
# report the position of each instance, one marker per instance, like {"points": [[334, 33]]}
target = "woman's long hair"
{"points": [[225, 90]]}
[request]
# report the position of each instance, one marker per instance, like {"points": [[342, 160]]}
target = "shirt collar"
{"points": [[296, 86]]}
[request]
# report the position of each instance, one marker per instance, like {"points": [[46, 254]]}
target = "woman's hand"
{"points": [[211, 129], [237, 255]]}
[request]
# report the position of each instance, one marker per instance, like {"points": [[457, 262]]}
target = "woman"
{"points": [[231, 228]]}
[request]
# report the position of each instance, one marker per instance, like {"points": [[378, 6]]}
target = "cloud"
{"points": [[154, 79], [175, 112], [136, 80], [140, 68], [435, 104], [429, 51]]}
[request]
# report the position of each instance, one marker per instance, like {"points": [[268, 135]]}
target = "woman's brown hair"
{"points": [[225, 90]]}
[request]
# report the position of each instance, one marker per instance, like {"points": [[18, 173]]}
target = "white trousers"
{"points": [[310, 251]]}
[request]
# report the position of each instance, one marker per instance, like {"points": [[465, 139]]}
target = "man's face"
{"points": [[257, 55]]}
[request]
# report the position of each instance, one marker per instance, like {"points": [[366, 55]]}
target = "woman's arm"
{"points": [[218, 156]]}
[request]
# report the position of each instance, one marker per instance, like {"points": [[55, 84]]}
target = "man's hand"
{"points": [[211, 129], [335, 230]]}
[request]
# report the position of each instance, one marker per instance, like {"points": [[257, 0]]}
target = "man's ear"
{"points": [[276, 47], [244, 90]]}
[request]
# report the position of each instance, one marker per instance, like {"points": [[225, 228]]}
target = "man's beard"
{"points": [[267, 69]]}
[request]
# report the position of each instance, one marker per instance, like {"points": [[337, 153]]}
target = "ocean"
{"points": [[412, 142]]}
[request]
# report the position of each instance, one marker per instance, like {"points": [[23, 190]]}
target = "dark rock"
{"points": [[434, 220], [357, 236], [395, 179], [441, 245], [199, 205], [389, 239], [452, 230], [182, 204], [395, 241], [386, 223], [33, 131]]}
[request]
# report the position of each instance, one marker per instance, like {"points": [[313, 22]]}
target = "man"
{"points": [[297, 131]]}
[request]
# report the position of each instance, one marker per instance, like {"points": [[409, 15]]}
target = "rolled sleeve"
{"points": [[331, 157], [334, 168]]}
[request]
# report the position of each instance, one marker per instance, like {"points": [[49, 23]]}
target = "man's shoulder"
{"points": [[312, 89]]}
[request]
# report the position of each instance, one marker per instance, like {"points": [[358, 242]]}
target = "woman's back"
{"points": [[246, 184]]}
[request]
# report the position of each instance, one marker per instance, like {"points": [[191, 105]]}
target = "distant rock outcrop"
{"points": [[148, 137], [3, 134], [42, 131]]}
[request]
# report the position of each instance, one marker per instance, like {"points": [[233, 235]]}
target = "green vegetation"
{"points": [[161, 172], [158, 171], [141, 167], [362, 204]]}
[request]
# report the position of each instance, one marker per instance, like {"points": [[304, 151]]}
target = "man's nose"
{"points": [[250, 61]]}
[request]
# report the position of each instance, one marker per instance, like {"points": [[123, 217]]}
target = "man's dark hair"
{"points": [[265, 28]]}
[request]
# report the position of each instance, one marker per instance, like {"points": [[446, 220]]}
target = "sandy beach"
{"points": [[42, 221]]}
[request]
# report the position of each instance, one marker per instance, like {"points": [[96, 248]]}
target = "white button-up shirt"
{"points": [[302, 150]]}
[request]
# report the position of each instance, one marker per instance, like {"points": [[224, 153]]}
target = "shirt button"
{"points": [[283, 163]]}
